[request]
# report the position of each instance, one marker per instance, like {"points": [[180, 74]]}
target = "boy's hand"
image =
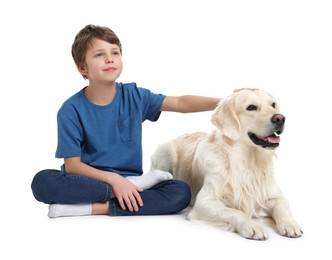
{"points": [[239, 89], [127, 193]]}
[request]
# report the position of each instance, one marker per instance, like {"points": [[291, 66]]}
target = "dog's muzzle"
{"points": [[271, 141]]}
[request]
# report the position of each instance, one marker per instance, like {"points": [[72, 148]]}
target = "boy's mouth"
{"points": [[110, 69]]}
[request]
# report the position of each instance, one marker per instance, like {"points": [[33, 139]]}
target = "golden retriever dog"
{"points": [[230, 171]]}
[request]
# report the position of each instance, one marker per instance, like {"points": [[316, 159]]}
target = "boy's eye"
{"points": [[99, 55]]}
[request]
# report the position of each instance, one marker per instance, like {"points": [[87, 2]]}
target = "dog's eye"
{"points": [[252, 108], [273, 105]]}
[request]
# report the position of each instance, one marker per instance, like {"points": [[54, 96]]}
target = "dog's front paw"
{"points": [[252, 230], [289, 228]]}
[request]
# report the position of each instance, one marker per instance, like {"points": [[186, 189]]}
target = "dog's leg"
{"points": [[280, 212], [215, 212]]}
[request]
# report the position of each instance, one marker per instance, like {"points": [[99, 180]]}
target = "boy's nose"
{"points": [[109, 59]]}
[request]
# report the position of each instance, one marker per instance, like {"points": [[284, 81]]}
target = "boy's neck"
{"points": [[100, 95]]}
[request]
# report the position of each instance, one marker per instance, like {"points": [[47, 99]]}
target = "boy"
{"points": [[99, 137]]}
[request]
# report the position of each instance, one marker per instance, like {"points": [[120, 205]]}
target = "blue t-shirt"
{"points": [[107, 137]]}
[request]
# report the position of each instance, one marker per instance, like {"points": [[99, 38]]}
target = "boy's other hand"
{"points": [[127, 193]]}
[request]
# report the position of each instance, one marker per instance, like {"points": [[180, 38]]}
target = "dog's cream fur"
{"points": [[231, 177]]}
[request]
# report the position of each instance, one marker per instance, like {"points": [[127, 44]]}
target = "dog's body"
{"points": [[230, 171]]}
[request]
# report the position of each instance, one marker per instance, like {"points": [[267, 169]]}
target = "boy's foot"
{"points": [[148, 180], [67, 210]]}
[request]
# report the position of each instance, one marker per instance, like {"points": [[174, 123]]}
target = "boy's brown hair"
{"points": [[84, 38]]}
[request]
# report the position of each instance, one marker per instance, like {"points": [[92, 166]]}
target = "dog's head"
{"points": [[250, 116]]}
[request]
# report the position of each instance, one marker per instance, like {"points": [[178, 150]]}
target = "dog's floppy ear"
{"points": [[226, 120]]}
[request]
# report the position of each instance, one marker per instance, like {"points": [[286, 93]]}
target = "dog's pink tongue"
{"points": [[273, 139]]}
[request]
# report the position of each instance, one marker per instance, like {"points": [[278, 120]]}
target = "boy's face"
{"points": [[103, 62]]}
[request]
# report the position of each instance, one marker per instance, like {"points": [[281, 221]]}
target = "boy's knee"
{"points": [[39, 185]]}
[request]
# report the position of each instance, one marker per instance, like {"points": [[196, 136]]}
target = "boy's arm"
{"points": [[125, 191], [187, 104]]}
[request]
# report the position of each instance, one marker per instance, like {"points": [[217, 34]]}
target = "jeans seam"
{"points": [[109, 191], [112, 208]]}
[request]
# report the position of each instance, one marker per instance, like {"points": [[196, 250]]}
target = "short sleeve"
{"points": [[152, 106], [70, 133]]}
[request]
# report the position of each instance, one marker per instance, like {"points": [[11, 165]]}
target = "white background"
{"points": [[172, 47]]}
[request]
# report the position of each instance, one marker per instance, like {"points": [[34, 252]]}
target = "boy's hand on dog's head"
{"points": [[239, 89]]}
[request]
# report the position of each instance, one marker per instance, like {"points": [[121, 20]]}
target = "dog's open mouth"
{"points": [[271, 141]]}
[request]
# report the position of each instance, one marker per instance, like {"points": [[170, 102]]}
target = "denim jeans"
{"points": [[54, 186]]}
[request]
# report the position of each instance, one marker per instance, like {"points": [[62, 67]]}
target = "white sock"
{"points": [[67, 210], [148, 180]]}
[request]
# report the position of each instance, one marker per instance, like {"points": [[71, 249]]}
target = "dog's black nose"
{"points": [[278, 119]]}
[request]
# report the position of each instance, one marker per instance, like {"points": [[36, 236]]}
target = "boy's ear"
{"points": [[82, 70]]}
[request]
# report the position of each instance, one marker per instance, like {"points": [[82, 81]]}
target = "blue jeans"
{"points": [[53, 186]]}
